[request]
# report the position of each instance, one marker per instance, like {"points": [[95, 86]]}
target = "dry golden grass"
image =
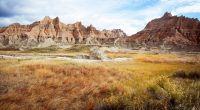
{"points": [[43, 72], [55, 85], [120, 54], [158, 58], [136, 84]]}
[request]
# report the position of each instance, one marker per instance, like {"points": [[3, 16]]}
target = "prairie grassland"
{"points": [[50, 51], [147, 81]]}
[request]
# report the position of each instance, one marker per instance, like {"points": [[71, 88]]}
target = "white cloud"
{"points": [[192, 8]]}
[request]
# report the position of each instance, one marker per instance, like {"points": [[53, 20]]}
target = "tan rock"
{"points": [[47, 28]]}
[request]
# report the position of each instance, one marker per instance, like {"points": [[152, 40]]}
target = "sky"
{"points": [[129, 15]]}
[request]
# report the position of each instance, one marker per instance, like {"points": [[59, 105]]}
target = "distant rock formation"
{"points": [[168, 31], [40, 32], [165, 32]]}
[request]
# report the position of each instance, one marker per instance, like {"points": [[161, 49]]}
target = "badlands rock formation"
{"points": [[53, 32], [165, 32], [168, 31]]}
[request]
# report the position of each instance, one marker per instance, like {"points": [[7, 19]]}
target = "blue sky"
{"points": [[128, 15]]}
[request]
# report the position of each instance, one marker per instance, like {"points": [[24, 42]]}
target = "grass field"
{"points": [[146, 82]]}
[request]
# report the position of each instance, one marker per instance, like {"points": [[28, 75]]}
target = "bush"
{"points": [[190, 75]]}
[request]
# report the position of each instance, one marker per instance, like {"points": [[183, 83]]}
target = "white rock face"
{"points": [[1, 45], [98, 53], [113, 49], [48, 42], [64, 46]]}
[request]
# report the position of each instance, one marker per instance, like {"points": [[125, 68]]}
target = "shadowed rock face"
{"points": [[168, 30], [38, 32]]}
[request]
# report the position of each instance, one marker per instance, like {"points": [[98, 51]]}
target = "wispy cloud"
{"points": [[128, 15]]}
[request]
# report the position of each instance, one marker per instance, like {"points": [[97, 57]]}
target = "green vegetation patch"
{"points": [[50, 49], [79, 48]]}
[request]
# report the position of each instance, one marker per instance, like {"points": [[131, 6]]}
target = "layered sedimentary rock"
{"points": [[168, 31], [53, 32]]}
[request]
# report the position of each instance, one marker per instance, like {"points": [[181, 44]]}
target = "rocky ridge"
{"points": [[169, 31], [49, 32]]}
